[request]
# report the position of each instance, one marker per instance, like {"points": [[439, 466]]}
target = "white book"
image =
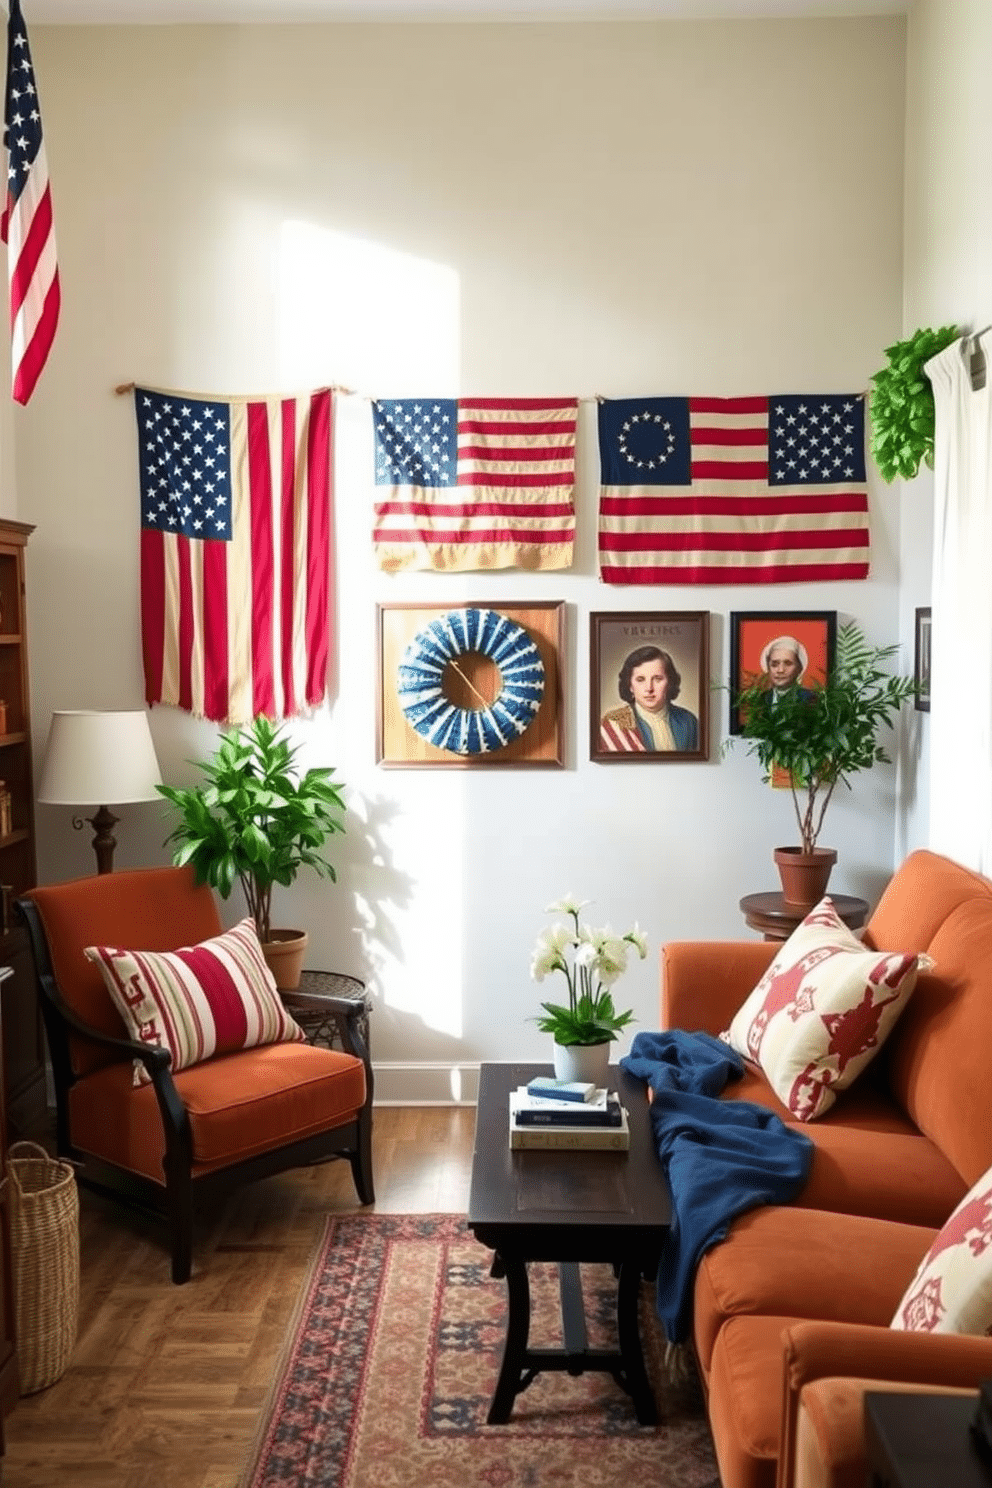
{"points": [[523, 1100]]}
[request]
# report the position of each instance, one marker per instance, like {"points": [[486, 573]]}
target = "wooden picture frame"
{"points": [[535, 730], [633, 656], [752, 632], [921, 661]]}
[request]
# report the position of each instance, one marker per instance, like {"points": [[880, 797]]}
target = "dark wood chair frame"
{"points": [[175, 1200]]}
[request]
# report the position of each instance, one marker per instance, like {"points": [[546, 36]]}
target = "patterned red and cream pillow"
{"points": [[822, 1011], [202, 1000], [952, 1289]]}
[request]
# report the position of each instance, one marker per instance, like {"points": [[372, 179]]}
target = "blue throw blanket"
{"points": [[721, 1157]]}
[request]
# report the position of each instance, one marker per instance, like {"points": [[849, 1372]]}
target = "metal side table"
{"points": [[332, 1009]]}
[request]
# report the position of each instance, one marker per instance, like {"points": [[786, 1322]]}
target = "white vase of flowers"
{"points": [[588, 1063], [591, 961]]}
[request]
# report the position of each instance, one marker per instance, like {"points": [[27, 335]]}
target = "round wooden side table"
{"points": [[776, 919]]}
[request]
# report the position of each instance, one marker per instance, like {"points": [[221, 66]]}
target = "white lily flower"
{"points": [[590, 960], [542, 964], [611, 962], [544, 960], [558, 938], [549, 952], [638, 939], [586, 952], [568, 905]]}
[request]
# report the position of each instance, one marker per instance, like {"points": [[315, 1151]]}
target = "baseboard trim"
{"points": [[426, 1084]]}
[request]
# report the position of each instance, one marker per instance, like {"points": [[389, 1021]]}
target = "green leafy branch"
{"points": [[822, 740], [901, 409]]}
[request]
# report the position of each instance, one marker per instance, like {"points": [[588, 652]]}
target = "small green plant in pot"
{"points": [[819, 737], [901, 409], [591, 961], [256, 820]]}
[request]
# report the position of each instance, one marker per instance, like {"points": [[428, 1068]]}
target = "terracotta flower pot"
{"points": [[804, 875], [284, 956]]}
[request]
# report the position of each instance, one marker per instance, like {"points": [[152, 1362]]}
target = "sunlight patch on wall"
{"points": [[365, 316], [362, 315], [422, 977]]}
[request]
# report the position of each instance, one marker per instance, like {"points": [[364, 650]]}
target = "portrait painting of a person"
{"points": [[649, 719], [783, 663], [777, 655]]}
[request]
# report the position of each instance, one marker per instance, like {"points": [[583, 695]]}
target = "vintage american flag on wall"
{"points": [[235, 552], [27, 226], [474, 483], [765, 490]]}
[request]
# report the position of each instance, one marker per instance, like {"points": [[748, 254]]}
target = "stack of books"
{"points": [[590, 1120]]}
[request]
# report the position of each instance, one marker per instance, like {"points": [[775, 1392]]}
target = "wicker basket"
{"points": [[44, 1242]]}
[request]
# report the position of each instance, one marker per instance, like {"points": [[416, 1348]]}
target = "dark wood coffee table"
{"points": [[568, 1207], [918, 1439]]}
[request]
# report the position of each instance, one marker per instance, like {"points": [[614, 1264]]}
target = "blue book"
{"points": [[570, 1090]]}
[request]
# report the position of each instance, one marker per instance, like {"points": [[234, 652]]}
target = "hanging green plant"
{"points": [[901, 409]]}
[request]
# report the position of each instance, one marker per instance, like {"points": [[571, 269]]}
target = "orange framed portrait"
{"points": [[809, 637]]}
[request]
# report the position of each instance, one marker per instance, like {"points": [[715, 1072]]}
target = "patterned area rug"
{"points": [[391, 1370]]}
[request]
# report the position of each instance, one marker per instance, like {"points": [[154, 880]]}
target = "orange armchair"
{"points": [[212, 1126]]}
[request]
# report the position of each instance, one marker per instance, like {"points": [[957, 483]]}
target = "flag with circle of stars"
{"points": [[474, 483], [235, 552], [733, 490]]}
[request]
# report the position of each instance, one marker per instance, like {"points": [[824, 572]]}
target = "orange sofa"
{"points": [[805, 1293]]}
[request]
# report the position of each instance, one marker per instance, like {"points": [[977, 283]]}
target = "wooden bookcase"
{"points": [[23, 1031], [9, 1382]]}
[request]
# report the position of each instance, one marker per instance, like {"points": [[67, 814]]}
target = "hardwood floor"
{"points": [[166, 1383]]}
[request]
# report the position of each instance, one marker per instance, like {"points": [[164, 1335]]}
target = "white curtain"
{"points": [[961, 604]]}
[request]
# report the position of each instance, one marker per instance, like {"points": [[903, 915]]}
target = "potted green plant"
{"points": [[819, 736], [901, 410], [257, 821], [591, 961]]}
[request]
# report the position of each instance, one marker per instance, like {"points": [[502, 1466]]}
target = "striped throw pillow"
{"points": [[212, 998]]}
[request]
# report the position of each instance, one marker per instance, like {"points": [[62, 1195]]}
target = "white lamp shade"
{"points": [[99, 759]]}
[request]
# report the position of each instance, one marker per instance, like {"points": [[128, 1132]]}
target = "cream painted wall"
{"points": [[656, 208], [948, 273]]}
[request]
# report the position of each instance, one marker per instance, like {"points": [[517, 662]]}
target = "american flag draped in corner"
{"points": [[27, 226], [235, 552]]}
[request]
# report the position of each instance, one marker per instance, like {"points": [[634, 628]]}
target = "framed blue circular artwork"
{"points": [[441, 643]]}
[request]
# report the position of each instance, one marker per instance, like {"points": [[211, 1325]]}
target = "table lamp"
{"points": [[93, 758]]}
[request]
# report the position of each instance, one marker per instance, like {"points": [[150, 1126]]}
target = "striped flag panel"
{"points": [[474, 483], [759, 490], [27, 225], [235, 552]]}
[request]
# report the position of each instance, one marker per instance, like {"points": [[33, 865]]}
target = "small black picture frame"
{"points": [[622, 647], [921, 661], [811, 635]]}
